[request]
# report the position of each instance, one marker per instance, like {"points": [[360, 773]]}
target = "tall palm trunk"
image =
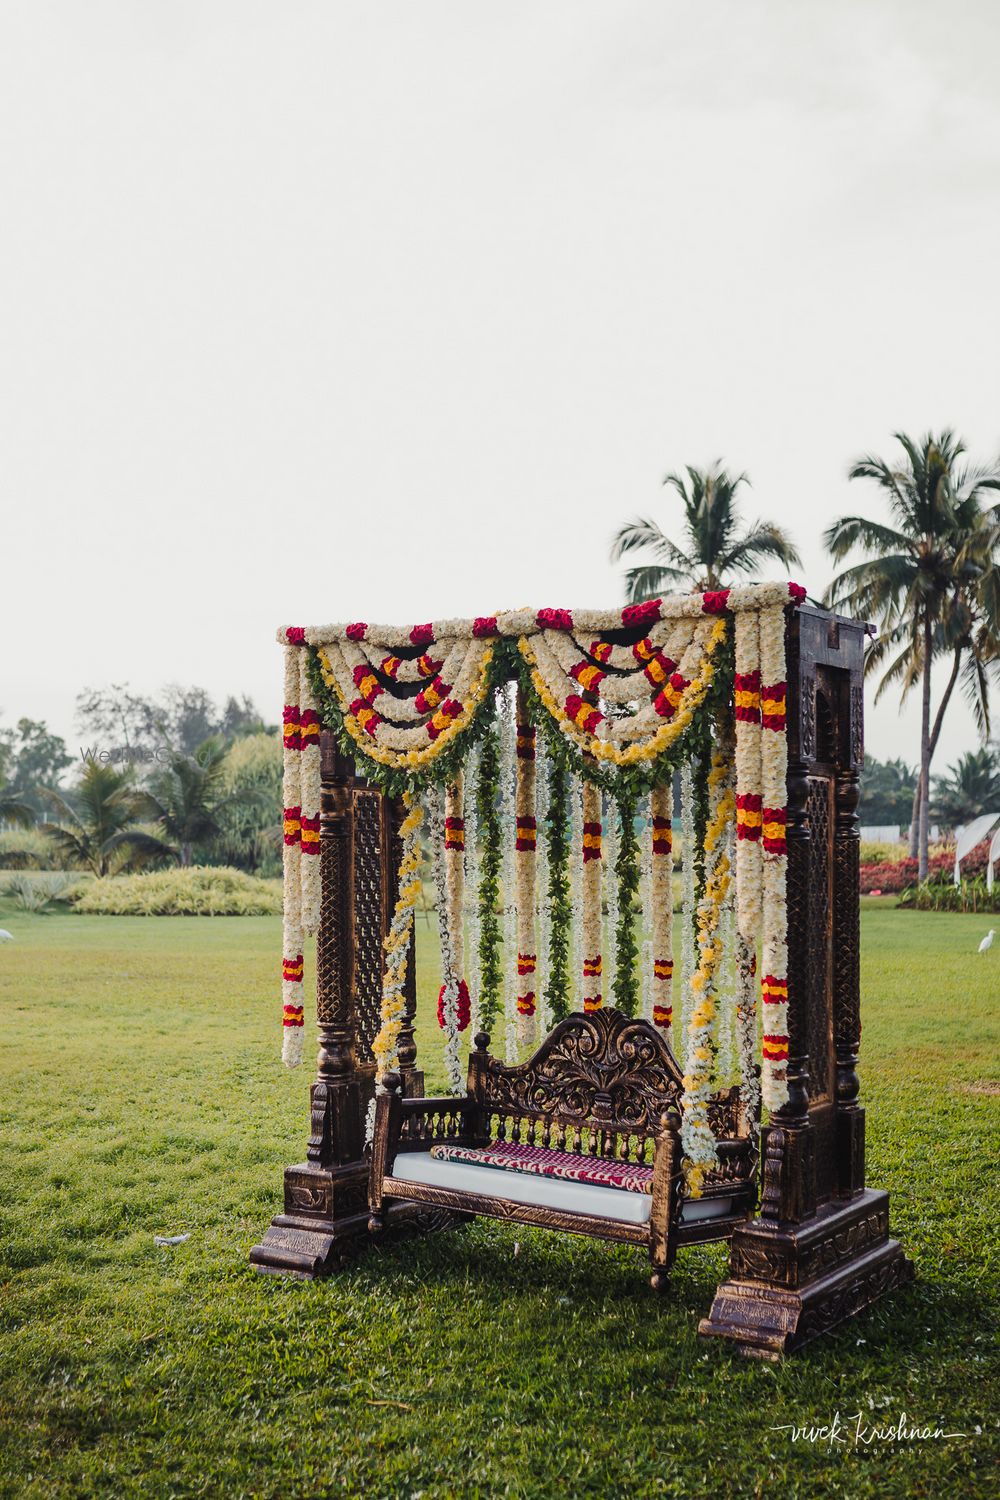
{"points": [[935, 733], [925, 750]]}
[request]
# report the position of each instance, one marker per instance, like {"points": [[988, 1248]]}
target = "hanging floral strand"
{"points": [[542, 916], [696, 1132], [575, 989], [774, 817], [471, 882], [609, 861], [662, 904], [687, 902], [526, 836], [592, 924], [448, 999], [746, 712], [508, 815], [646, 908], [626, 987], [562, 924], [490, 860], [454, 866], [397, 942], [293, 1015]]}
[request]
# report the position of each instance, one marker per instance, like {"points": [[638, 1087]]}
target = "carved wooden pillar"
{"points": [[819, 1250], [326, 1196]]}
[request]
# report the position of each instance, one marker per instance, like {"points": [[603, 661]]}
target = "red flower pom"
{"points": [[422, 635], [463, 1006], [797, 592], [554, 619], [296, 635], [641, 614], [715, 601], [356, 632], [484, 625]]}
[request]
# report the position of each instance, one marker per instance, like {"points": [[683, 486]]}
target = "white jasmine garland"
{"points": [[472, 878], [508, 817], [449, 976], [543, 923], [687, 944], [609, 861], [576, 892]]}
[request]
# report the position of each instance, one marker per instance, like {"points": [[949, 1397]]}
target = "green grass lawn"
{"points": [[141, 1094]]}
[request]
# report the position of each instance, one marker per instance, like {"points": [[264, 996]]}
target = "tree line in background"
{"points": [[177, 779], [173, 780], [929, 580]]}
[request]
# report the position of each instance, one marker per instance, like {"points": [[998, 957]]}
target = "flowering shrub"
{"points": [[895, 876]]}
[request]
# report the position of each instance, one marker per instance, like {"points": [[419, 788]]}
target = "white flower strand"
{"points": [[687, 944], [508, 758], [472, 878], [543, 922], [576, 892], [453, 1066], [646, 903], [610, 862]]}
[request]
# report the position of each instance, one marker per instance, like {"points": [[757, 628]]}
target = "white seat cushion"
{"points": [[545, 1192]]}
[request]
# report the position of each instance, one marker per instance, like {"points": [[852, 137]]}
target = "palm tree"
{"points": [[970, 788], [926, 580], [14, 811], [98, 834], [717, 544], [187, 798]]}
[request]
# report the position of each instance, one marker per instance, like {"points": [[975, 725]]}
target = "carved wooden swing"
{"points": [[810, 1243]]}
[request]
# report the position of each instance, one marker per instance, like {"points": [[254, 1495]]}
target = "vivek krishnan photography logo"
{"points": [[864, 1430]]}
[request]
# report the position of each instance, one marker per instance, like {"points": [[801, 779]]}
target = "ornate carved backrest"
{"points": [[604, 1070]]}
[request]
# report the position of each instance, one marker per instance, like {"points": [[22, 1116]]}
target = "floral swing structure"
{"points": [[539, 756]]}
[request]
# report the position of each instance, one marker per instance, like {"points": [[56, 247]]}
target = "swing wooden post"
{"points": [[326, 1195], [819, 1249]]}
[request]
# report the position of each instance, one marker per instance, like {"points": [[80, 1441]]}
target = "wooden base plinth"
{"points": [[325, 1223], [326, 1209], [788, 1283]]}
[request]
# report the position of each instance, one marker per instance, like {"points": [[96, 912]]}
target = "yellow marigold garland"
{"points": [[408, 760], [397, 944], [696, 1133], [691, 699]]}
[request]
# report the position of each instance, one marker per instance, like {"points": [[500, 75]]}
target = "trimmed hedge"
{"points": [[197, 892]]}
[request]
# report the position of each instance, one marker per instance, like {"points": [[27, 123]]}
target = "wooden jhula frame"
{"points": [[817, 1249]]}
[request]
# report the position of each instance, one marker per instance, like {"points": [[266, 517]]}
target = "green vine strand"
{"points": [[557, 837]]}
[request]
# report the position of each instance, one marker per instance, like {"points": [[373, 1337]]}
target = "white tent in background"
{"points": [[992, 858], [972, 834]]}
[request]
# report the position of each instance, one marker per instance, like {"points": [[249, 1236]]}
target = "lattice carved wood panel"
{"points": [[369, 917], [332, 982], [819, 959]]}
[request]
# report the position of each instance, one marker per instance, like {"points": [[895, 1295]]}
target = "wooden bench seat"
{"points": [[601, 1086]]}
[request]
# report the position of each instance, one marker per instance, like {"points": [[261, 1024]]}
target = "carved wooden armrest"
{"points": [[441, 1120]]}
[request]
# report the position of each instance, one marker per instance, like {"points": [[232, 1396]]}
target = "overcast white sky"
{"points": [[319, 311]]}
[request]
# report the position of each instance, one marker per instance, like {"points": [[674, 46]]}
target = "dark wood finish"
{"points": [[601, 1084], [819, 1250]]}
